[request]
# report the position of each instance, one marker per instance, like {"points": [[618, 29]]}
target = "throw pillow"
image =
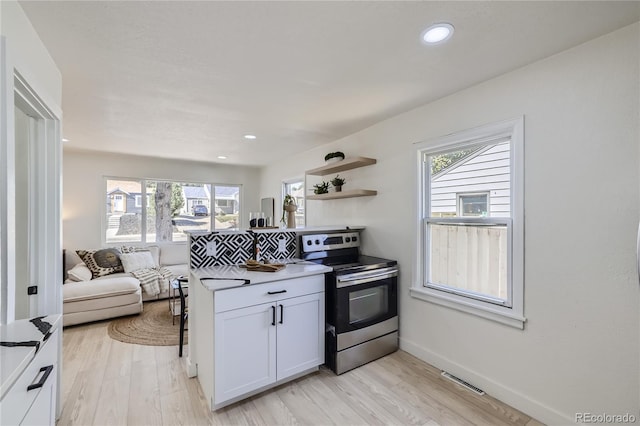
{"points": [[101, 262], [80, 272], [136, 261]]}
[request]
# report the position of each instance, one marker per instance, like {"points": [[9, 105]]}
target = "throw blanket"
{"points": [[154, 280]]}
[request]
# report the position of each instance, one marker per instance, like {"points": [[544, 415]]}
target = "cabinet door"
{"points": [[43, 410], [245, 351], [300, 334]]}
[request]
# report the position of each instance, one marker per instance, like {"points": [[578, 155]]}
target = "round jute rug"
{"points": [[152, 327]]}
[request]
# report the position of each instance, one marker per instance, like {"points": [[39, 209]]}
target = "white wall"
{"points": [[23, 53], [29, 55], [579, 351], [84, 190]]}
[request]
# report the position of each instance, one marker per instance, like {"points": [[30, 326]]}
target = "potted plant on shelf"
{"points": [[289, 205], [337, 183], [333, 157], [321, 188]]}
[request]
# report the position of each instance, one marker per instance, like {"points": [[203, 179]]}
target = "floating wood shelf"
{"points": [[341, 166], [343, 194]]}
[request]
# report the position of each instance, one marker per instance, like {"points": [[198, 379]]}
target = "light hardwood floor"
{"points": [[106, 382]]}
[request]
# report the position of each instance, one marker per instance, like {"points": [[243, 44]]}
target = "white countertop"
{"points": [[305, 230], [16, 359], [231, 276]]}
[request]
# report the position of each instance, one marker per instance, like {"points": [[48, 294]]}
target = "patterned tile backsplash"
{"points": [[276, 245], [235, 248], [230, 249]]}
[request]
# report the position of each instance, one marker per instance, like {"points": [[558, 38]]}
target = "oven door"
{"points": [[365, 298]]}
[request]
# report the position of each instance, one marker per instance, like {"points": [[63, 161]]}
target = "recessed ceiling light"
{"points": [[437, 33], [65, 140], [222, 157], [250, 137]]}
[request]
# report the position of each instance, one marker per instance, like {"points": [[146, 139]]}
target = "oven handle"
{"points": [[348, 280]]}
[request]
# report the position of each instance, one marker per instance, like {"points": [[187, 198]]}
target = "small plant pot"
{"points": [[338, 188], [334, 160]]}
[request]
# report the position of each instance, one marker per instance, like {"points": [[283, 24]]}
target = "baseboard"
{"points": [[509, 396], [192, 369]]}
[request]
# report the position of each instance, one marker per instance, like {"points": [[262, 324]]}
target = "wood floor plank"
{"points": [[113, 406], [441, 393], [412, 367], [199, 406], [171, 376], [363, 402], [120, 360], [176, 409], [303, 408], [403, 406], [109, 382], [144, 395], [143, 354], [273, 410], [341, 412]]}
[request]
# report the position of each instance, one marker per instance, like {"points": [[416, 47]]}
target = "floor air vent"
{"points": [[463, 383]]}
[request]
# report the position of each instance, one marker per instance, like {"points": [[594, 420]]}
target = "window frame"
{"points": [[512, 313], [291, 181], [145, 202], [461, 195]]}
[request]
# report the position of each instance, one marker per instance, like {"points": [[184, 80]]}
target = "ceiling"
{"points": [[186, 80]]}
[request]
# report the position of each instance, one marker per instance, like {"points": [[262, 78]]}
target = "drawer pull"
{"points": [[281, 314], [43, 379], [273, 315], [277, 292]]}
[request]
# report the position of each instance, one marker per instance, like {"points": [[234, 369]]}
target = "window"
{"points": [[470, 228], [473, 204], [295, 188], [144, 211], [226, 207]]}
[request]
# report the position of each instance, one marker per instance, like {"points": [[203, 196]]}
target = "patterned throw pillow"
{"points": [[101, 262]]}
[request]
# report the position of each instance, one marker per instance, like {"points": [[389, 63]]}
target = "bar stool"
{"points": [[180, 283]]}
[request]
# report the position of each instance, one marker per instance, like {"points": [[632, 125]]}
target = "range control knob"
{"points": [[309, 242], [317, 242], [347, 239], [354, 239]]}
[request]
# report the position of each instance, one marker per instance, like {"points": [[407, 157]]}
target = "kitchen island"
{"points": [[250, 331]]}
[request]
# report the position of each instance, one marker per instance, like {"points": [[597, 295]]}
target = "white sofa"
{"points": [[116, 294]]}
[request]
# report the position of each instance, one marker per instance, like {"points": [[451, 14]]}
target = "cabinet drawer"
{"points": [[250, 295], [16, 403]]}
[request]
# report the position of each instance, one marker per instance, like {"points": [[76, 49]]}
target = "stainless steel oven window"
{"points": [[368, 304]]}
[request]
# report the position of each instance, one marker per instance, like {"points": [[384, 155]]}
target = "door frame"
{"points": [[45, 174]]}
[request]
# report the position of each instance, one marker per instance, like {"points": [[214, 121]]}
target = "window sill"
{"points": [[469, 306]]}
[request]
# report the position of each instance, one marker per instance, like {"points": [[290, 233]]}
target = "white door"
{"points": [[118, 203], [300, 334], [245, 351]]}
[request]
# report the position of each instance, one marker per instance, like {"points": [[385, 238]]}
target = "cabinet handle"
{"points": [[277, 292], [273, 315], [45, 376], [281, 314]]}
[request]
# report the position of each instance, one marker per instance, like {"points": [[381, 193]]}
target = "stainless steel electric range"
{"points": [[361, 300]]}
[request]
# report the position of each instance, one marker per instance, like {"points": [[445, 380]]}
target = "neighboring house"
{"points": [[227, 199], [123, 197], [195, 196], [476, 185]]}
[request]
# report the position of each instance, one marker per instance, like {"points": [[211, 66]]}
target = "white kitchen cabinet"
{"points": [[31, 399], [260, 336], [245, 345], [300, 342]]}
